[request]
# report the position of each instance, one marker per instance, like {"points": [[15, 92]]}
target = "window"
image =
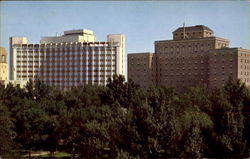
{"points": [[3, 59]]}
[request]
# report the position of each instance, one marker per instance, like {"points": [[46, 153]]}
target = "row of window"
{"points": [[246, 67], [244, 60], [66, 51]]}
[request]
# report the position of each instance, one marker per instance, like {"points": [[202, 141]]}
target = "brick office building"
{"points": [[194, 56]]}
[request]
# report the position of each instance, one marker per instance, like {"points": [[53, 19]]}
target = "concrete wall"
{"points": [[120, 66]]}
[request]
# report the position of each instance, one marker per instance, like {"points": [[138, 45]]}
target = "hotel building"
{"points": [[69, 60], [194, 56]]}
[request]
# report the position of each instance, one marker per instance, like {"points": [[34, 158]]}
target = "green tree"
{"points": [[246, 113], [192, 122], [228, 120], [7, 135]]}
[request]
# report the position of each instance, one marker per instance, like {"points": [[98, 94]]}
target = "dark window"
{"points": [[3, 59]]}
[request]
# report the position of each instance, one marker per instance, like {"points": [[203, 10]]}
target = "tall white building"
{"points": [[69, 60]]}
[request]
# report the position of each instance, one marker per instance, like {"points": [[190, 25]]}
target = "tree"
{"points": [[246, 113], [229, 120], [7, 134], [192, 122]]}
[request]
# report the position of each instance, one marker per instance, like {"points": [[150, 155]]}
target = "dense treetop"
{"points": [[121, 120]]}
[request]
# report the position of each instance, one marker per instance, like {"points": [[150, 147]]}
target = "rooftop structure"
{"points": [[81, 35], [192, 32]]}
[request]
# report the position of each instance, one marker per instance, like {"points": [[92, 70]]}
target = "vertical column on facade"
{"points": [[61, 75], [79, 45], [111, 60], [40, 67], [63, 48], [98, 71], [63, 66], [33, 62], [27, 61], [74, 62], [50, 64], [42, 55], [117, 56], [56, 64], [84, 67], [14, 62], [87, 63], [17, 65], [37, 52], [21, 64], [52, 60], [93, 64], [104, 64], [66, 52], [70, 70], [45, 63], [59, 68]]}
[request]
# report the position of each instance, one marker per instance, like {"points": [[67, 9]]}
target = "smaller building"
{"points": [[3, 64]]}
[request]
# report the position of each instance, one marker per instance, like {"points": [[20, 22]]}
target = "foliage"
{"points": [[121, 120]]}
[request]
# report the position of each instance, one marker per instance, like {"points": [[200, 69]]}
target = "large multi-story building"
{"points": [[3, 65], [69, 60], [194, 56]]}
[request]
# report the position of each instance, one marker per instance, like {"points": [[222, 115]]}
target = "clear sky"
{"points": [[142, 22]]}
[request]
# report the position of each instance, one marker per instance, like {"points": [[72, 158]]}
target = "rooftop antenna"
{"points": [[184, 30]]}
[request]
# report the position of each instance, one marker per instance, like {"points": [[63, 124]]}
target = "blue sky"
{"points": [[142, 22]]}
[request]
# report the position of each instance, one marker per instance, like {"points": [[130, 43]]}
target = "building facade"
{"points": [[69, 60], [140, 67], [189, 59], [225, 62], [3, 65]]}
